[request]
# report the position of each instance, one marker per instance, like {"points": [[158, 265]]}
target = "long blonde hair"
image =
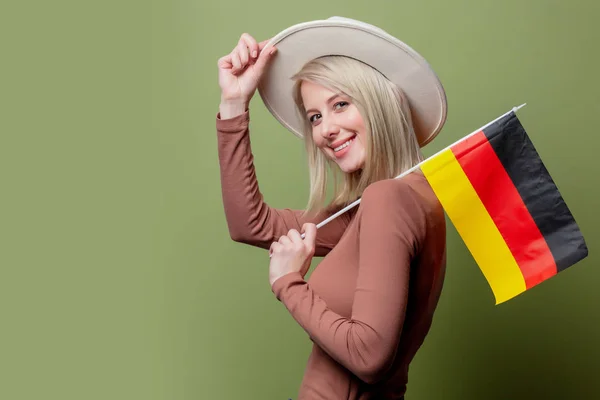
{"points": [[392, 146]]}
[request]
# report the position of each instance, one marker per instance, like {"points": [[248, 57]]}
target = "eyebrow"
{"points": [[328, 101]]}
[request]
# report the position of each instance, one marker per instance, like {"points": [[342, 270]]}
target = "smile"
{"points": [[343, 146], [339, 146]]}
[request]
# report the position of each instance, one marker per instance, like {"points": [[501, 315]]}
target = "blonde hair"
{"points": [[392, 146]]}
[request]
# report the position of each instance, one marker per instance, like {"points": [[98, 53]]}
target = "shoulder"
{"points": [[410, 198], [399, 191], [397, 208]]}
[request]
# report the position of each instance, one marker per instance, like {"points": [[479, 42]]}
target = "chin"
{"points": [[349, 169]]}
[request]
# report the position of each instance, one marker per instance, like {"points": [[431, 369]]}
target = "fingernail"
{"points": [[273, 50], [254, 53]]}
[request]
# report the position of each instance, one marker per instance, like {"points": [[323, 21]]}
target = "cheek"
{"points": [[361, 132], [357, 122], [318, 142]]}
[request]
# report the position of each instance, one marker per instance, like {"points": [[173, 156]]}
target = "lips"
{"points": [[337, 144], [341, 148]]}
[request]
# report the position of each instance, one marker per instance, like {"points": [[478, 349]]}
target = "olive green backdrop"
{"points": [[118, 279]]}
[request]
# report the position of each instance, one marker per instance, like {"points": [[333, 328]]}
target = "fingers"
{"points": [[246, 52], [285, 240], [225, 62], [250, 44], [242, 52], [254, 48], [292, 239], [275, 246], [294, 236], [236, 62]]}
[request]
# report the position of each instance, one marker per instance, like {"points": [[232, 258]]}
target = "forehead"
{"points": [[314, 94]]}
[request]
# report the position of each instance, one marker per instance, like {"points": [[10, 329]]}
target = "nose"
{"points": [[329, 128]]}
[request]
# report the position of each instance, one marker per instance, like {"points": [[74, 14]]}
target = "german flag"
{"points": [[505, 206]]}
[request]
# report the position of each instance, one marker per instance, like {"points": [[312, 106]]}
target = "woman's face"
{"points": [[338, 129]]}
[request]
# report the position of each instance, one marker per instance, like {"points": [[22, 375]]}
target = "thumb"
{"points": [[265, 55], [310, 235]]}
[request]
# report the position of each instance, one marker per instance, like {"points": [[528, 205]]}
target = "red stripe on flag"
{"points": [[506, 208]]}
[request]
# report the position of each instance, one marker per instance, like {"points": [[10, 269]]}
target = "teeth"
{"points": [[342, 146]]}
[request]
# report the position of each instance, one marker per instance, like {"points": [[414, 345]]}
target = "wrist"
{"points": [[287, 284], [274, 278], [230, 108]]}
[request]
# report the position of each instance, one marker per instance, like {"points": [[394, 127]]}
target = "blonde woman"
{"points": [[365, 104]]}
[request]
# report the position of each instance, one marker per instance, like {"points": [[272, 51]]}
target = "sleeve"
{"points": [[250, 220], [392, 230]]}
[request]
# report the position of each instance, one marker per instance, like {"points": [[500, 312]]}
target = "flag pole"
{"points": [[408, 171]]}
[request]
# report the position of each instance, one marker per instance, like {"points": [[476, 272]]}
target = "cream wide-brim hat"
{"points": [[399, 63]]}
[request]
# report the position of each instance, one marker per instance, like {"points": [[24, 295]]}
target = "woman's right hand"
{"points": [[240, 71]]}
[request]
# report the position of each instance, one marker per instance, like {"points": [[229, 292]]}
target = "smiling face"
{"points": [[338, 129]]}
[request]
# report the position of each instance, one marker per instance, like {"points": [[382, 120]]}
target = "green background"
{"points": [[118, 279]]}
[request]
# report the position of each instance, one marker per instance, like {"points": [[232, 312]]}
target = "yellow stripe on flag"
{"points": [[474, 224]]}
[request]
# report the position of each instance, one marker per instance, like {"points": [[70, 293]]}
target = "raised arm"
{"points": [[249, 218]]}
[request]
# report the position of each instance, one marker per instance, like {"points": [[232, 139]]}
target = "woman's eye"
{"points": [[313, 117], [340, 104]]}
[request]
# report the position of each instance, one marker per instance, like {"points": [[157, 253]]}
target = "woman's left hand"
{"points": [[292, 253]]}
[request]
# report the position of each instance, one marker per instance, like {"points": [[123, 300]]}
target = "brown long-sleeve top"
{"points": [[369, 304]]}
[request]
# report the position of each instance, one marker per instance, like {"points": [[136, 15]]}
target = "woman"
{"points": [[369, 304]]}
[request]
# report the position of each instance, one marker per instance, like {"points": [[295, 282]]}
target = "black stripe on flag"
{"points": [[538, 191]]}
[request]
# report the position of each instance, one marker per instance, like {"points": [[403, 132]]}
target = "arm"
{"points": [[392, 228], [249, 218]]}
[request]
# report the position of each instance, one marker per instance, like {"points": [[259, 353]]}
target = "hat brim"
{"points": [[399, 63]]}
